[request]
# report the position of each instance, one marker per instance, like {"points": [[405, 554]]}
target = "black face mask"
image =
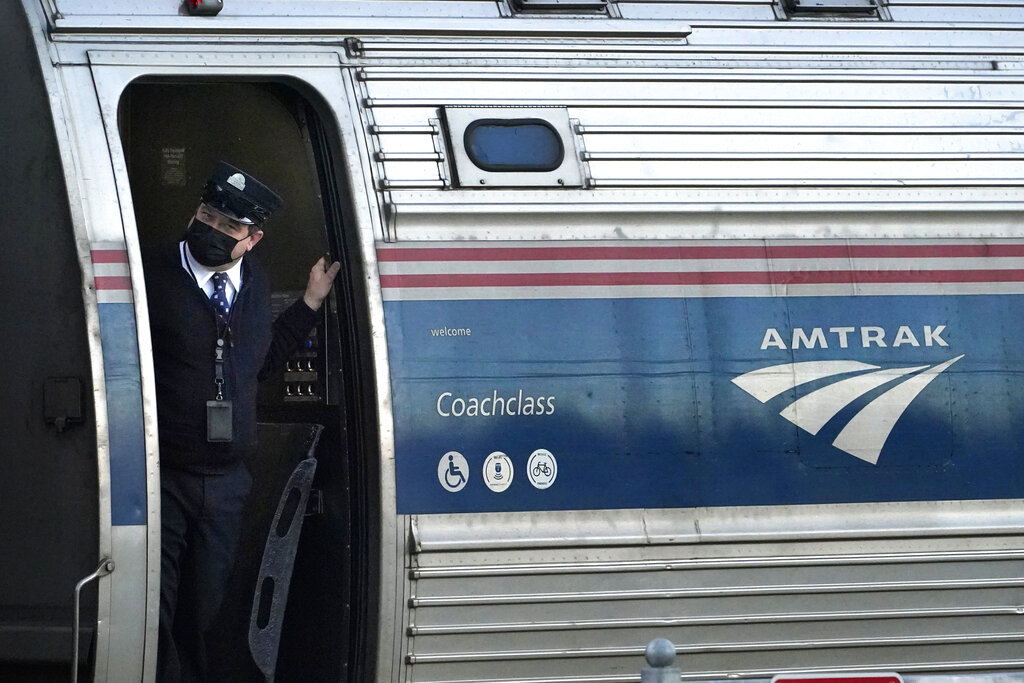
{"points": [[208, 245]]}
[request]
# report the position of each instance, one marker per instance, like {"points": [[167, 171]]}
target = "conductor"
{"points": [[213, 340]]}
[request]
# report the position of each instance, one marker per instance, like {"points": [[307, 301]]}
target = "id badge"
{"points": [[218, 421]]}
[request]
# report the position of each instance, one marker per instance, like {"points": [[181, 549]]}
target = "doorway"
{"points": [[173, 133]]}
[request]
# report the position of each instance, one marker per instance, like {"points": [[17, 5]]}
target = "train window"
{"points": [[513, 147]]}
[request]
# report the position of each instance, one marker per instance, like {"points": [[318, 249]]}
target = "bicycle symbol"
{"points": [[542, 468]]}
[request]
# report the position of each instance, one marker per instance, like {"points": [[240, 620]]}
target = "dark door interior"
{"points": [[173, 134]]}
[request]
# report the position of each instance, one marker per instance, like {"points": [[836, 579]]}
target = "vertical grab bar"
{"points": [[106, 567]]}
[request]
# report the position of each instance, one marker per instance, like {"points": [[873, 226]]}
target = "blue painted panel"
{"points": [[639, 408], [124, 413]]}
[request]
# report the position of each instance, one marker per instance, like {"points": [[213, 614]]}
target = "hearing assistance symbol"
{"points": [[498, 471], [453, 471], [865, 434]]}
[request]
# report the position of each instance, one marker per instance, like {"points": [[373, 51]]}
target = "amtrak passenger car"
{"points": [[697, 319]]}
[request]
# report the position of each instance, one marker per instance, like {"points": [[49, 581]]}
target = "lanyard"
{"points": [[218, 368], [223, 330]]}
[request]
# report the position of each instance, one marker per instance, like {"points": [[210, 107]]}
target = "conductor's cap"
{"points": [[239, 196]]}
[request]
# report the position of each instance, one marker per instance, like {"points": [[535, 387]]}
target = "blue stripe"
{"points": [[635, 400], [124, 414]]}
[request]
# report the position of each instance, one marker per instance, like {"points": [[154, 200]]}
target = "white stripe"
{"points": [[699, 291], [114, 296], [698, 265], [902, 289], [110, 270], [910, 241], [107, 246], [605, 292]]}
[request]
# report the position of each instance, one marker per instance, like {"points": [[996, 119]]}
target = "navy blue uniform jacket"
{"points": [[185, 328]]}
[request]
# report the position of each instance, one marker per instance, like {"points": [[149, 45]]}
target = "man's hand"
{"points": [[321, 278]]}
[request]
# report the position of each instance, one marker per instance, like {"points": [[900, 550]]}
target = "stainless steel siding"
{"points": [[747, 609], [736, 127], [751, 609]]}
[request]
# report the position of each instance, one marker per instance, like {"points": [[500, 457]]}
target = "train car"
{"points": [[697, 319]]}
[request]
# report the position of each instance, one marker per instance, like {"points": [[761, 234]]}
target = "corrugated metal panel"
{"points": [[698, 128], [697, 12], [749, 610], [735, 23], [994, 11], [295, 8], [700, 12], [909, 11], [997, 11]]}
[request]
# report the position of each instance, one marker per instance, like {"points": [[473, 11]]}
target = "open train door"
{"points": [[173, 129]]}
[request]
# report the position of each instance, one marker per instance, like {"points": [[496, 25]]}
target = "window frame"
{"points": [[467, 174]]}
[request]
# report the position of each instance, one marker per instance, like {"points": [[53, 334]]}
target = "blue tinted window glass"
{"points": [[514, 145]]}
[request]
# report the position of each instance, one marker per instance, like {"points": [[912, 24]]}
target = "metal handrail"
{"points": [[105, 567]]}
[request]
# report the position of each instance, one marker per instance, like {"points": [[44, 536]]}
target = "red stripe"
{"points": [[388, 254], [109, 256], [698, 278], [113, 282]]}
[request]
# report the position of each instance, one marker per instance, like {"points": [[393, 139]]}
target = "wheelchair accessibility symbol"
{"points": [[453, 471]]}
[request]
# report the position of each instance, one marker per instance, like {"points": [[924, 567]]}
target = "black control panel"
{"points": [[301, 381], [301, 374]]}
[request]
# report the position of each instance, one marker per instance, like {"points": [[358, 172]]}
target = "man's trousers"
{"points": [[200, 522]]}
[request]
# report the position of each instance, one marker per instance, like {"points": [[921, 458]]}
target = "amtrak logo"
{"points": [[865, 434]]}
